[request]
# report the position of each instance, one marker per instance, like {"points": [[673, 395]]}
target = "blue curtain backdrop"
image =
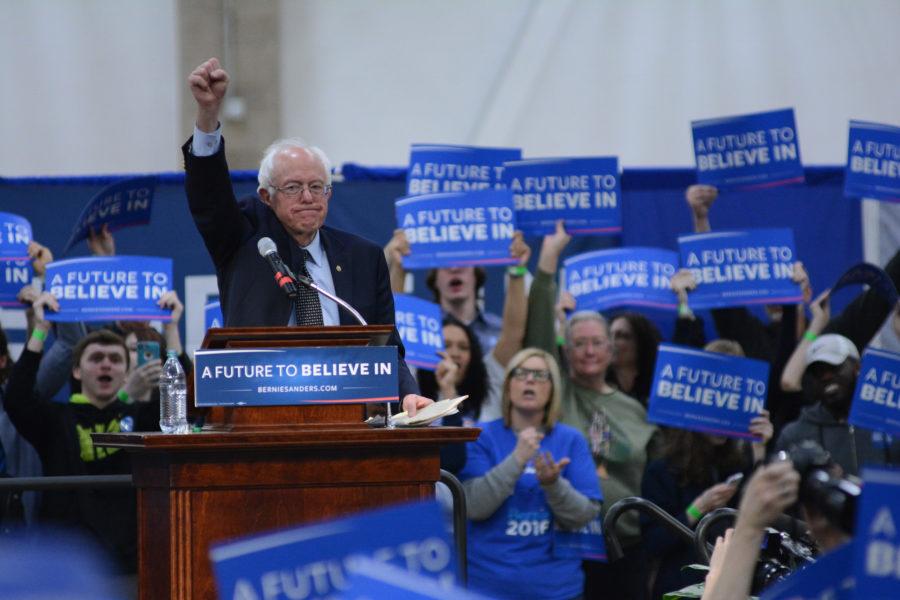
{"points": [[826, 225]]}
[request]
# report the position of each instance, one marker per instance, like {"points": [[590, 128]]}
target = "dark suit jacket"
{"points": [[247, 291]]}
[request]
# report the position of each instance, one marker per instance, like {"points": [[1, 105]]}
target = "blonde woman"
{"points": [[526, 476]]}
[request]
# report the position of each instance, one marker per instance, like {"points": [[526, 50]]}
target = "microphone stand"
{"points": [[308, 282]]}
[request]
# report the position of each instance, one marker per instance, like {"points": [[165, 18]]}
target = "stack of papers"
{"points": [[429, 414]]}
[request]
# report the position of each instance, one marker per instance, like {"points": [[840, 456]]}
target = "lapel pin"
{"points": [[338, 268]]}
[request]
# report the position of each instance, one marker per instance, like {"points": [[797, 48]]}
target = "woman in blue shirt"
{"points": [[528, 481]]}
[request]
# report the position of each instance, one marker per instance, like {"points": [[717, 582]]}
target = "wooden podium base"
{"points": [[198, 489]]}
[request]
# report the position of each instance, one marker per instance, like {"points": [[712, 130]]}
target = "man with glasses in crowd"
{"points": [[294, 191]]}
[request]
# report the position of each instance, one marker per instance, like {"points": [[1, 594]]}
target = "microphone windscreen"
{"points": [[266, 246]]}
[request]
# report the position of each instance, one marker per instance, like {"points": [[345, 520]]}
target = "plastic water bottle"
{"points": [[173, 397]]}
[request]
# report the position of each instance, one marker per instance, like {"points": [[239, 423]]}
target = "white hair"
{"points": [[268, 160], [584, 315]]}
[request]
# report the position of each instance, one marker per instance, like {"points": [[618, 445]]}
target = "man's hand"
{"points": [[761, 427], [821, 312], [208, 84], [170, 301], [519, 250], [552, 247], [714, 497], [27, 295], [717, 560], [46, 301], [546, 469], [801, 278], [771, 490], [683, 282], [101, 242], [527, 445], [700, 198], [40, 256], [445, 374], [143, 380], [413, 403], [396, 248]]}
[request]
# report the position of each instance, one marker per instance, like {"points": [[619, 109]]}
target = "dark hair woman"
{"points": [[635, 342]]}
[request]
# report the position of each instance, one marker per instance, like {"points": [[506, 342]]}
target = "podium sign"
{"points": [[293, 376]]}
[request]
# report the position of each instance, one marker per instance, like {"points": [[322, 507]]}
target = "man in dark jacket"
{"points": [[61, 434], [832, 366], [292, 203]]}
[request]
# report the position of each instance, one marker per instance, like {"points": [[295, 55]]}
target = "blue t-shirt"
{"points": [[511, 552]]}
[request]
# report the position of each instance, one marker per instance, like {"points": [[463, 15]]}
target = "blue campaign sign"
{"points": [[872, 276], [442, 168], [15, 275], [587, 543], [734, 268], [830, 577], [316, 558], [291, 376], [15, 235], [621, 277], [584, 192], [708, 392], [122, 204], [757, 150], [471, 228], [109, 288], [876, 564], [873, 161], [876, 403], [374, 579], [419, 325], [212, 315]]}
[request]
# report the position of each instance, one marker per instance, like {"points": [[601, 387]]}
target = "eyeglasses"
{"points": [[292, 190], [521, 373], [581, 344]]}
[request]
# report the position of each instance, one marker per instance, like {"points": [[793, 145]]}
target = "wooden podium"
{"points": [[255, 469]]}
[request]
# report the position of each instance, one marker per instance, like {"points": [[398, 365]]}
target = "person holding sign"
{"points": [[292, 203], [613, 423], [526, 477], [696, 474], [772, 342], [456, 289], [61, 433], [832, 367]]}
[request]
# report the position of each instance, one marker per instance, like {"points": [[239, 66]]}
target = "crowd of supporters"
{"points": [[560, 393]]}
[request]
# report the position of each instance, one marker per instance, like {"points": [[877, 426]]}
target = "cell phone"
{"points": [[734, 479], [147, 351]]}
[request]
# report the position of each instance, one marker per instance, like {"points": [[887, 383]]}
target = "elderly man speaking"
{"points": [[294, 191]]}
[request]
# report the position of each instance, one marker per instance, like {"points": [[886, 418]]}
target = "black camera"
{"points": [[820, 490]]}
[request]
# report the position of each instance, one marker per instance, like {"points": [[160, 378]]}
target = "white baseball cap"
{"points": [[831, 348]]}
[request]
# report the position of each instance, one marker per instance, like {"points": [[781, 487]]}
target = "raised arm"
{"points": [[27, 412], [700, 199], [208, 84], [396, 248], [515, 306], [540, 331], [792, 376], [207, 182]]}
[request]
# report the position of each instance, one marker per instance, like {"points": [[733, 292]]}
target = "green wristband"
{"points": [[810, 336], [123, 396], [516, 271], [37, 334], [693, 511], [560, 340]]}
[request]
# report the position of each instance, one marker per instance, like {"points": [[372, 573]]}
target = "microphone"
{"points": [[283, 276], [288, 281]]}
